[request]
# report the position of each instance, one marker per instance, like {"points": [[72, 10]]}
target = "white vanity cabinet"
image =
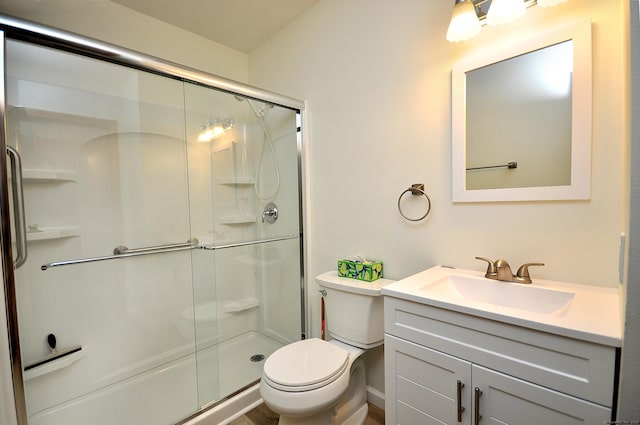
{"points": [[435, 358]]}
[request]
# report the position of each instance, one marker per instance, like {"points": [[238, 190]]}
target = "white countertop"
{"points": [[592, 315]]}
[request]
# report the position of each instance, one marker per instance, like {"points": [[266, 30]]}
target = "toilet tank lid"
{"points": [[333, 281]]}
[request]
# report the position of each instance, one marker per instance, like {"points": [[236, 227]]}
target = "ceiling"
{"points": [[239, 24]]}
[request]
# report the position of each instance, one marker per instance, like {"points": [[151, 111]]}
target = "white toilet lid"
{"points": [[305, 365]]}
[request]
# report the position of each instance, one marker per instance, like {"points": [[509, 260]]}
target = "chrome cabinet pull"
{"points": [[459, 388], [476, 410], [18, 205]]}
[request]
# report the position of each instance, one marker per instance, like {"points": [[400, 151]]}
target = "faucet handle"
{"points": [[522, 275], [491, 268]]}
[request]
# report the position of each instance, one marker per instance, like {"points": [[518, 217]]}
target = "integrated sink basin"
{"points": [[586, 312], [528, 298]]}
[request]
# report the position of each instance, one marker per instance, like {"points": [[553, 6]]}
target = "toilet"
{"points": [[319, 382]]}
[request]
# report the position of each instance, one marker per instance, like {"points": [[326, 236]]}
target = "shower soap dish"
{"points": [[360, 269]]}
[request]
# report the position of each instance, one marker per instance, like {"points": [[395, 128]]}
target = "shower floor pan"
{"points": [[169, 392]]}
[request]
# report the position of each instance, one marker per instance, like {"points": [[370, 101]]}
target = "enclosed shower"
{"points": [[153, 221]]}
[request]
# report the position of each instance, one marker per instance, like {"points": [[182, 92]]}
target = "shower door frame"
{"points": [[41, 35]]}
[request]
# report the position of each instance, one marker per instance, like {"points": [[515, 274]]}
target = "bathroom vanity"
{"points": [[463, 349]]}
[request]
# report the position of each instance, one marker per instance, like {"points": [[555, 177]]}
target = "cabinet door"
{"points": [[422, 385], [510, 401]]}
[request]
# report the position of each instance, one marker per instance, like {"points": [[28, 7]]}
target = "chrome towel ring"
{"points": [[415, 189]]}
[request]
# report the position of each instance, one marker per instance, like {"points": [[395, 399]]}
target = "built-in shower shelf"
{"points": [[238, 219], [47, 233], [240, 305], [56, 364], [236, 181], [40, 175]]}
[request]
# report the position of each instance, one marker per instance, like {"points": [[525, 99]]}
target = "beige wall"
{"points": [[377, 80], [116, 24]]}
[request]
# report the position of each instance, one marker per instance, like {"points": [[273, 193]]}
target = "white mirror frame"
{"points": [[580, 187]]}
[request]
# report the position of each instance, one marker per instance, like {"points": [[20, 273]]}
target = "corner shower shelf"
{"points": [[238, 219], [236, 181], [47, 233], [41, 175], [240, 305], [54, 365]]}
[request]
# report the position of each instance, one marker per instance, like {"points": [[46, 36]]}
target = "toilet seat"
{"points": [[305, 365]]}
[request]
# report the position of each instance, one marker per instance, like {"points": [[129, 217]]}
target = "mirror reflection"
{"points": [[521, 118], [518, 121]]}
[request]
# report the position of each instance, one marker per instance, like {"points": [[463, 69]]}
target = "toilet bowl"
{"points": [[319, 382]]}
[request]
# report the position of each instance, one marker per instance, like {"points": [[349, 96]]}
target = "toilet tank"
{"points": [[354, 310]]}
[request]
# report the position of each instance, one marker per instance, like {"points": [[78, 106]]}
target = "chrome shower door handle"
{"points": [[18, 206]]}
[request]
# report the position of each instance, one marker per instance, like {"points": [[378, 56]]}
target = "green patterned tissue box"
{"points": [[361, 271]]}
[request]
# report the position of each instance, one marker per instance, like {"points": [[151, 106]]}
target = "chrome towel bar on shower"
{"points": [[237, 244], [122, 251]]}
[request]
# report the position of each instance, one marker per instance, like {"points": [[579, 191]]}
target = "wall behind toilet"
{"points": [[377, 78]]}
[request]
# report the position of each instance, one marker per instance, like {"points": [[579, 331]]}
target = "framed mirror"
{"points": [[521, 120]]}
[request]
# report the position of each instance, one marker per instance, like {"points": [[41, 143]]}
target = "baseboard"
{"points": [[375, 397]]}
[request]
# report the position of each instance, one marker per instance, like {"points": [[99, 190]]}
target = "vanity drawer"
{"points": [[582, 369]]}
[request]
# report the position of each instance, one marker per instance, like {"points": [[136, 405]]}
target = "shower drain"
{"points": [[257, 358]]}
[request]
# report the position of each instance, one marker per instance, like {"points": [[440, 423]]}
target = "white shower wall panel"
{"points": [[280, 291], [124, 314], [117, 135], [133, 401]]}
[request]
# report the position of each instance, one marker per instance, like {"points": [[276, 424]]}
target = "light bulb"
{"points": [[550, 3], [204, 136], [464, 22], [217, 130], [504, 11]]}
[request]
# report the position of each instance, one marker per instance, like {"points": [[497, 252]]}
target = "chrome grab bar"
{"points": [[124, 252], [18, 205]]}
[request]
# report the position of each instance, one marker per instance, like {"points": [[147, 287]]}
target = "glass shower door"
{"points": [[108, 276], [245, 209]]}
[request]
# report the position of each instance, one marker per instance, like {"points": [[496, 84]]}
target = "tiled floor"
{"points": [[262, 415]]}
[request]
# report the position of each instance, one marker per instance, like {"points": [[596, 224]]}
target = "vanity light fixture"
{"points": [[214, 129], [550, 3], [469, 15]]}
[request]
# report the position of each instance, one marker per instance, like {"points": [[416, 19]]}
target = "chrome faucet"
{"points": [[501, 270]]}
